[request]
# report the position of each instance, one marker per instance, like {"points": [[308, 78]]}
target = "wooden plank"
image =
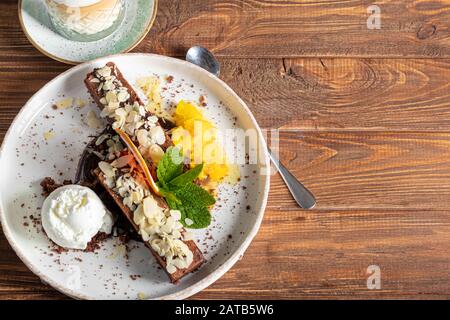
{"points": [[307, 94], [313, 254], [370, 170], [344, 94], [325, 254], [265, 28]]}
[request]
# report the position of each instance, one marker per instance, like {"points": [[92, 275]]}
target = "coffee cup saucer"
{"points": [[36, 24]]}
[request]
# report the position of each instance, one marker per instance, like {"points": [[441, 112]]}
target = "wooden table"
{"points": [[364, 119]]}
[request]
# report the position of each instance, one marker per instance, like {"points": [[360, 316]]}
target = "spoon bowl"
{"points": [[203, 58]]}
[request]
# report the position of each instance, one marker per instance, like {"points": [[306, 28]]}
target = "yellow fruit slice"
{"points": [[186, 111], [135, 151]]}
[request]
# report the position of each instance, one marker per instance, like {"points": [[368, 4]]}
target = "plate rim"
{"points": [[74, 62], [215, 274]]}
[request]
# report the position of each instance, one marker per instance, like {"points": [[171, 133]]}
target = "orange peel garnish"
{"points": [[141, 161]]}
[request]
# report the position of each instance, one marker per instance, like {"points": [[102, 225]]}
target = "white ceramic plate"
{"points": [[26, 158]]}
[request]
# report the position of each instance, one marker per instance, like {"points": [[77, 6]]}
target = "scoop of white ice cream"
{"points": [[72, 215]]}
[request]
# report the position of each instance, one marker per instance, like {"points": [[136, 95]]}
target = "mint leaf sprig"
{"points": [[181, 193]]}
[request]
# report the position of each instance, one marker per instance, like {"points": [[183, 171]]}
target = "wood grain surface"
{"points": [[278, 28], [364, 119]]}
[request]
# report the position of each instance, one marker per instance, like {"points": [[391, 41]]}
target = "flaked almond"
{"points": [[138, 216], [136, 197], [104, 71], [152, 119], [133, 116], [108, 85], [176, 234], [120, 115], [122, 161], [121, 112], [171, 268], [145, 236], [141, 296], [179, 263], [152, 228], [176, 214], [184, 250], [142, 137], [110, 182], [111, 96], [142, 111], [107, 169], [123, 96], [64, 103], [128, 202], [139, 124], [81, 103], [129, 107], [98, 154], [119, 183], [101, 139], [109, 110], [155, 152], [129, 128], [92, 120], [150, 207], [157, 135], [168, 226]]}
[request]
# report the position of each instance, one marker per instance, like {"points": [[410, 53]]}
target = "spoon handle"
{"points": [[301, 194]]}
